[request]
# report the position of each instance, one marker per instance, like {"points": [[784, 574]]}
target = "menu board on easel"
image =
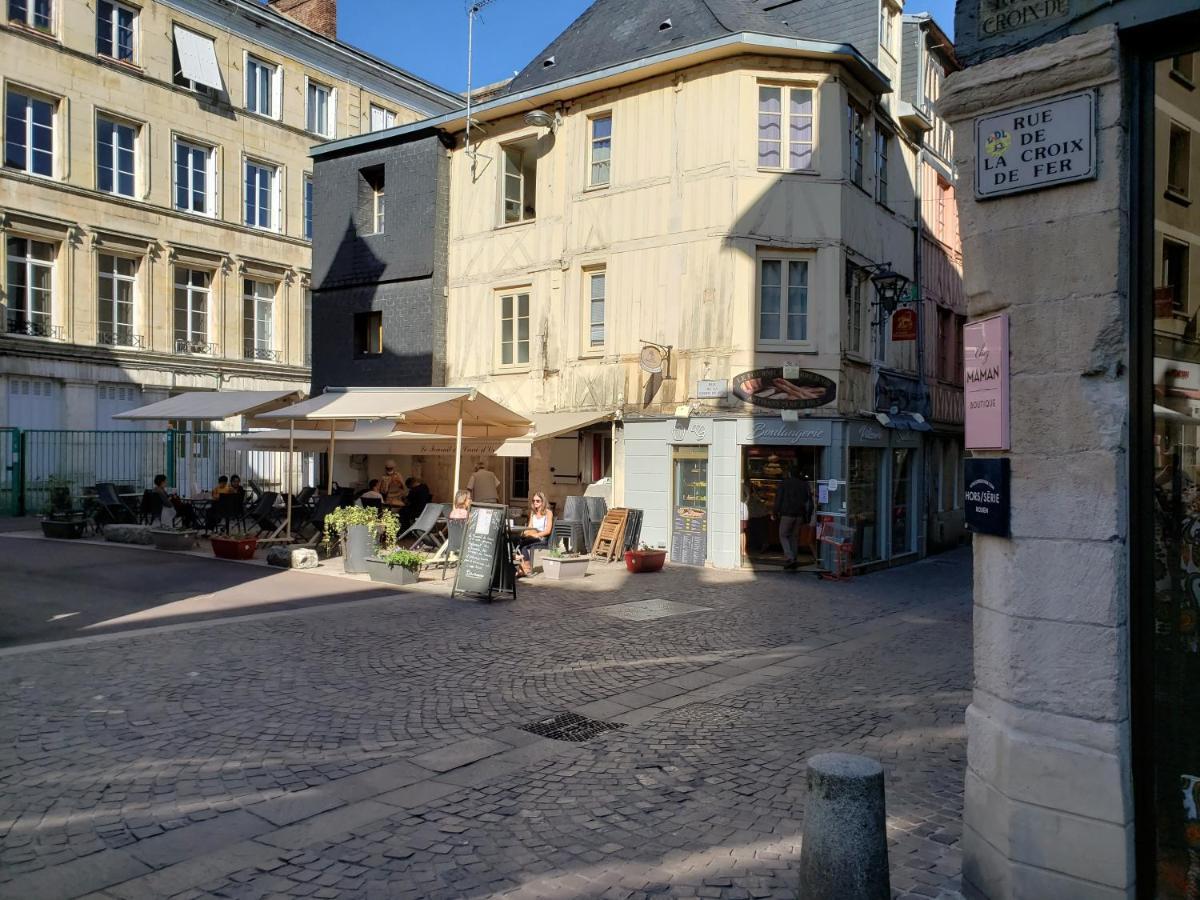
{"points": [[485, 566], [689, 526]]}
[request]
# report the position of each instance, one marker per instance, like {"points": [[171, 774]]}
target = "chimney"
{"points": [[317, 15]]}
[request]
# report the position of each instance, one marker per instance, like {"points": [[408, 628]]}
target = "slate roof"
{"points": [[612, 32]]}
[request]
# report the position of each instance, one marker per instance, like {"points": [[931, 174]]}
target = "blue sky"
{"points": [[429, 37]]}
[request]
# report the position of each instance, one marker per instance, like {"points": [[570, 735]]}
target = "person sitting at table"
{"points": [[160, 489], [418, 497], [235, 485], [371, 496], [221, 488], [462, 505], [391, 486], [537, 532]]}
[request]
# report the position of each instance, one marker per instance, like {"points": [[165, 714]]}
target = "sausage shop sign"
{"points": [[1036, 146], [785, 388]]}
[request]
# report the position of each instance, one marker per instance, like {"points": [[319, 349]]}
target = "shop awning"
{"points": [[198, 58], [1174, 415], [212, 405], [423, 410], [904, 421], [369, 438], [549, 425]]}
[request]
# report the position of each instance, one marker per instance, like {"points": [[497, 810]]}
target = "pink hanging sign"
{"points": [[986, 383]]}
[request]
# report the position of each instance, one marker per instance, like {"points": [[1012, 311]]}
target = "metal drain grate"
{"points": [[570, 727]]}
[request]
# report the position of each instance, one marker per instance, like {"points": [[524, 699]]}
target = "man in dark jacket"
{"points": [[417, 498], [793, 508]]}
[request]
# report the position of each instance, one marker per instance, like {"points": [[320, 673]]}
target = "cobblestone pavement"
{"points": [[371, 749]]}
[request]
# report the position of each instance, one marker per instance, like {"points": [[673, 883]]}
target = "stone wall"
{"points": [[1048, 786]]}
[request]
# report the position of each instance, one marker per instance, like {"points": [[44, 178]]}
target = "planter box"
{"points": [[170, 539], [560, 568], [393, 575], [63, 528], [645, 560], [358, 545], [234, 548]]}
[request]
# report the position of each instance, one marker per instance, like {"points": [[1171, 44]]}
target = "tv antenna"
{"points": [[474, 7]]}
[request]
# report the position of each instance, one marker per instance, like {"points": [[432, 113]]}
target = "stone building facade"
{"points": [[1082, 760], [156, 195]]}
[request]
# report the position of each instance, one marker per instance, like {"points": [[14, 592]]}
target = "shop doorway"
{"points": [[689, 502], [763, 469]]}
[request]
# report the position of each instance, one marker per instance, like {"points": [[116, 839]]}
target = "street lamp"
{"points": [[889, 286]]}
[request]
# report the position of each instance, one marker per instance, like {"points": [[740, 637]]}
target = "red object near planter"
{"points": [[234, 548], [645, 560]]}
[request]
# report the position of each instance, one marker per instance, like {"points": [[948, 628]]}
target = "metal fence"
{"points": [[192, 461]]}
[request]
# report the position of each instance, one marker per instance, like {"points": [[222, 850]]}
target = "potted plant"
{"points": [[398, 567], [645, 559], [559, 565], [359, 529], [175, 538], [60, 519], [234, 546]]}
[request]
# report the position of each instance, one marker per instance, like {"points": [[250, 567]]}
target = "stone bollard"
{"points": [[844, 853]]}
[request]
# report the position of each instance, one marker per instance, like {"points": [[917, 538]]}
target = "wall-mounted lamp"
{"points": [[539, 118], [890, 286]]}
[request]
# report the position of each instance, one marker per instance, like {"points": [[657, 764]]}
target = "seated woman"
{"points": [[537, 533], [462, 505], [371, 496]]}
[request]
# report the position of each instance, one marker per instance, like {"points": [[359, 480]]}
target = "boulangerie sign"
{"points": [[986, 383]]}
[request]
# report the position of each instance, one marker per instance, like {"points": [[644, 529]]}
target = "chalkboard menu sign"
{"points": [[689, 537], [485, 564]]}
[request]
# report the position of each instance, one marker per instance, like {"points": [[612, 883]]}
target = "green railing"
{"points": [[192, 461]]}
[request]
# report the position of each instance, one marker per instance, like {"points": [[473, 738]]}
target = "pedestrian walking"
{"points": [[793, 508]]}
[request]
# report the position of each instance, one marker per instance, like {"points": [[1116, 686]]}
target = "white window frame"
{"points": [[383, 114], [379, 207], [786, 125], [55, 105], [29, 19], [258, 331], [210, 176], [313, 88], [250, 64], [786, 260], [514, 295], [118, 122], [592, 147], [508, 178], [29, 263], [116, 278], [590, 276], [860, 135], [191, 337], [1174, 128], [857, 306], [113, 28], [887, 26], [275, 173], [307, 201]]}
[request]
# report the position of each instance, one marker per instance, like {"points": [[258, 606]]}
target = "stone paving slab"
{"points": [[702, 794]]}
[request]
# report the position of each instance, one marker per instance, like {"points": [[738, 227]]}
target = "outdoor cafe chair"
{"points": [[423, 528], [315, 522], [455, 529], [371, 502], [304, 498], [151, 508], [264, 515], [111, 511], [228, 509]]}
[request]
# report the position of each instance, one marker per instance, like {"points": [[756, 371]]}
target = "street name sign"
{"points": [[1036, 146]]}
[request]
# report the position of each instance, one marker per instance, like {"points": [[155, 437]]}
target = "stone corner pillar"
{"points": [[1048, 799]]}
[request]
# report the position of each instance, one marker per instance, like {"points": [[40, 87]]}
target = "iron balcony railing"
{"points": [[195, 348], [18, 324], [262, 353], [121, 338]]}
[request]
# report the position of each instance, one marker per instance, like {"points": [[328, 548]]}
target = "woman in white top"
{"points": [[537, 533]]}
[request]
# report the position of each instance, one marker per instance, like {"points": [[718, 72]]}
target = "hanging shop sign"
{"points": [[712, 389], [988, 501], [904, 325], [774, 389], [986, 384], [1036, 146], [899, 394]]}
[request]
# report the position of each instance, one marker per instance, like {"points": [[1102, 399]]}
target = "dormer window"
{"points": [[665, 25], [548, 62]]}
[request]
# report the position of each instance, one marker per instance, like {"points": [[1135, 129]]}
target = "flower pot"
{"points": [[561, 568], [234, 548], [358, 544], [63, 528], [170, 539], [645, 560], [381, 572]]}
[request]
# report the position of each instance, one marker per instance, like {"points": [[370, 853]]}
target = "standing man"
{"points": [[391, 486], [793, 507], [484, 486]]}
